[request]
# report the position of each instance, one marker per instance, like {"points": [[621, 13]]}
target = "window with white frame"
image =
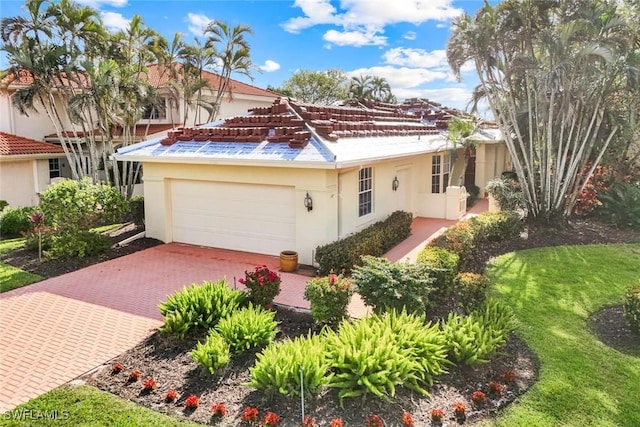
{"points": [[440, 165], [365, 191], [54, 168]]}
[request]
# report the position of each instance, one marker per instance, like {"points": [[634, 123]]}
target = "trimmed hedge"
{"points": [[444, 265], [632, 307], [14, 221], [342, 255]]}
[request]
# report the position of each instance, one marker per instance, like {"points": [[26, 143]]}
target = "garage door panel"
{"points": [[256, 218]]}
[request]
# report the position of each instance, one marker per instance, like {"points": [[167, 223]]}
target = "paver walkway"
{"points": [[55, 330]]}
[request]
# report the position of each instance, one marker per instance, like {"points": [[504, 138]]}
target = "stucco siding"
{"points": [[17, 182]]}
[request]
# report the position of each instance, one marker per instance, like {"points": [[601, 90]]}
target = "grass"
{"points": [[70, 406], [553, 291], [11, 277]]}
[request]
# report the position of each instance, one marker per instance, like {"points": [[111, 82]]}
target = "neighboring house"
{"points": [[27, 167], [294, 176], [155, 122]]}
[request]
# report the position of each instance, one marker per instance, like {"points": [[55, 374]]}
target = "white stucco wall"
{"points": [[22, 180]]}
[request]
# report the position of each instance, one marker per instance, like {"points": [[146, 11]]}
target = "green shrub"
{"points": [[474, 338], [278, 366], [200, 306], [385, 286], [376, 354], [213, 353], [459, 238], [632, 307], [329, 298], [263, 285], [471, 290], [71, 205], [444, 266], [3, 204], [496, 226], [78, 244], [252, 326], [136, 207], [375, 240], [507, 193], [15, 221], [621, 206]]}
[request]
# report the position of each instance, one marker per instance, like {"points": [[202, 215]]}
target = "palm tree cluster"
{"points": [[63, 50], [558, 77], [370, 87]]}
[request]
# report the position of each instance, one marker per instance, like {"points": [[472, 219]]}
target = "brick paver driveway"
{"points": [[57, 329]]}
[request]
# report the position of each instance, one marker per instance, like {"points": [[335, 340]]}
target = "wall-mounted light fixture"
{"points": [[308, 202], [395, 184]]}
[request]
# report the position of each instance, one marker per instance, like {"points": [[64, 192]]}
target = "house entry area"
{"points": [[244, 217]]}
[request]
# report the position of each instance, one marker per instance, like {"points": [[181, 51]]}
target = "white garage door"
{"points": [[252, 218]]}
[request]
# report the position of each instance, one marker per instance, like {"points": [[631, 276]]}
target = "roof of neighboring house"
{"points": [[293, 133], [159, 78], [14, 145], [140, 131], [155, 74]]}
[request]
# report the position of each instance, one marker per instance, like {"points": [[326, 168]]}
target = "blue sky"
{"points": [[400, 40]]}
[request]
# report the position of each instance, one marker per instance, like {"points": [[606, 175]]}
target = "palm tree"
{"points": [[548, 71], [459, 132], [360, 88], [231, 51], [381, 90]]}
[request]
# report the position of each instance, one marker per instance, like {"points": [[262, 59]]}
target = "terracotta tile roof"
{"points": [[24, 78], [13, 145], [159, 79], [292, 122], [140, 131]]}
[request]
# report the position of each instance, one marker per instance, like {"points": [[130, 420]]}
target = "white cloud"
{"points": [[371, 14], [114, 22], [356, 38], [197, 23], [416, 58], [96, 4], [269, 66], [401, 77], [410, 35]]}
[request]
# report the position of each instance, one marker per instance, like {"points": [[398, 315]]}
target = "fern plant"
{"points": [[252, 326], [213, 353]]}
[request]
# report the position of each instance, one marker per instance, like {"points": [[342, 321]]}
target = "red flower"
{"points": [[508, 376], [219, 409], [192, 401], [271, 419], [117, 368], [478, 397], [336, 422], [459, 408], [149, 384], [171, 395], [495, 388], [407, 419], [249, 415], [373, 421], [134, 375], [308, 422], [437, 414]]}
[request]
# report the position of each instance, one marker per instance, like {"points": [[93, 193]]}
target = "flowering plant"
{"points": [[308, 422], [134, 375], [219, 409], [407, 419], [149, 384], [337, 422], [495, 388], [459, 409], [437, 414], [478, 397], [373, 421], [192, 401], [271, 419], [263, 285], [171, 395], [249, 415], [508, 376], [117, 368]]}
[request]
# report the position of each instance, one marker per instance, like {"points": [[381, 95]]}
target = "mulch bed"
{"points": [[166, 359]]}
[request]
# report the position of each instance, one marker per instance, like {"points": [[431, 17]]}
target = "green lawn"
{"points": [[70, 406], [553, 291], [11, 277]]}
